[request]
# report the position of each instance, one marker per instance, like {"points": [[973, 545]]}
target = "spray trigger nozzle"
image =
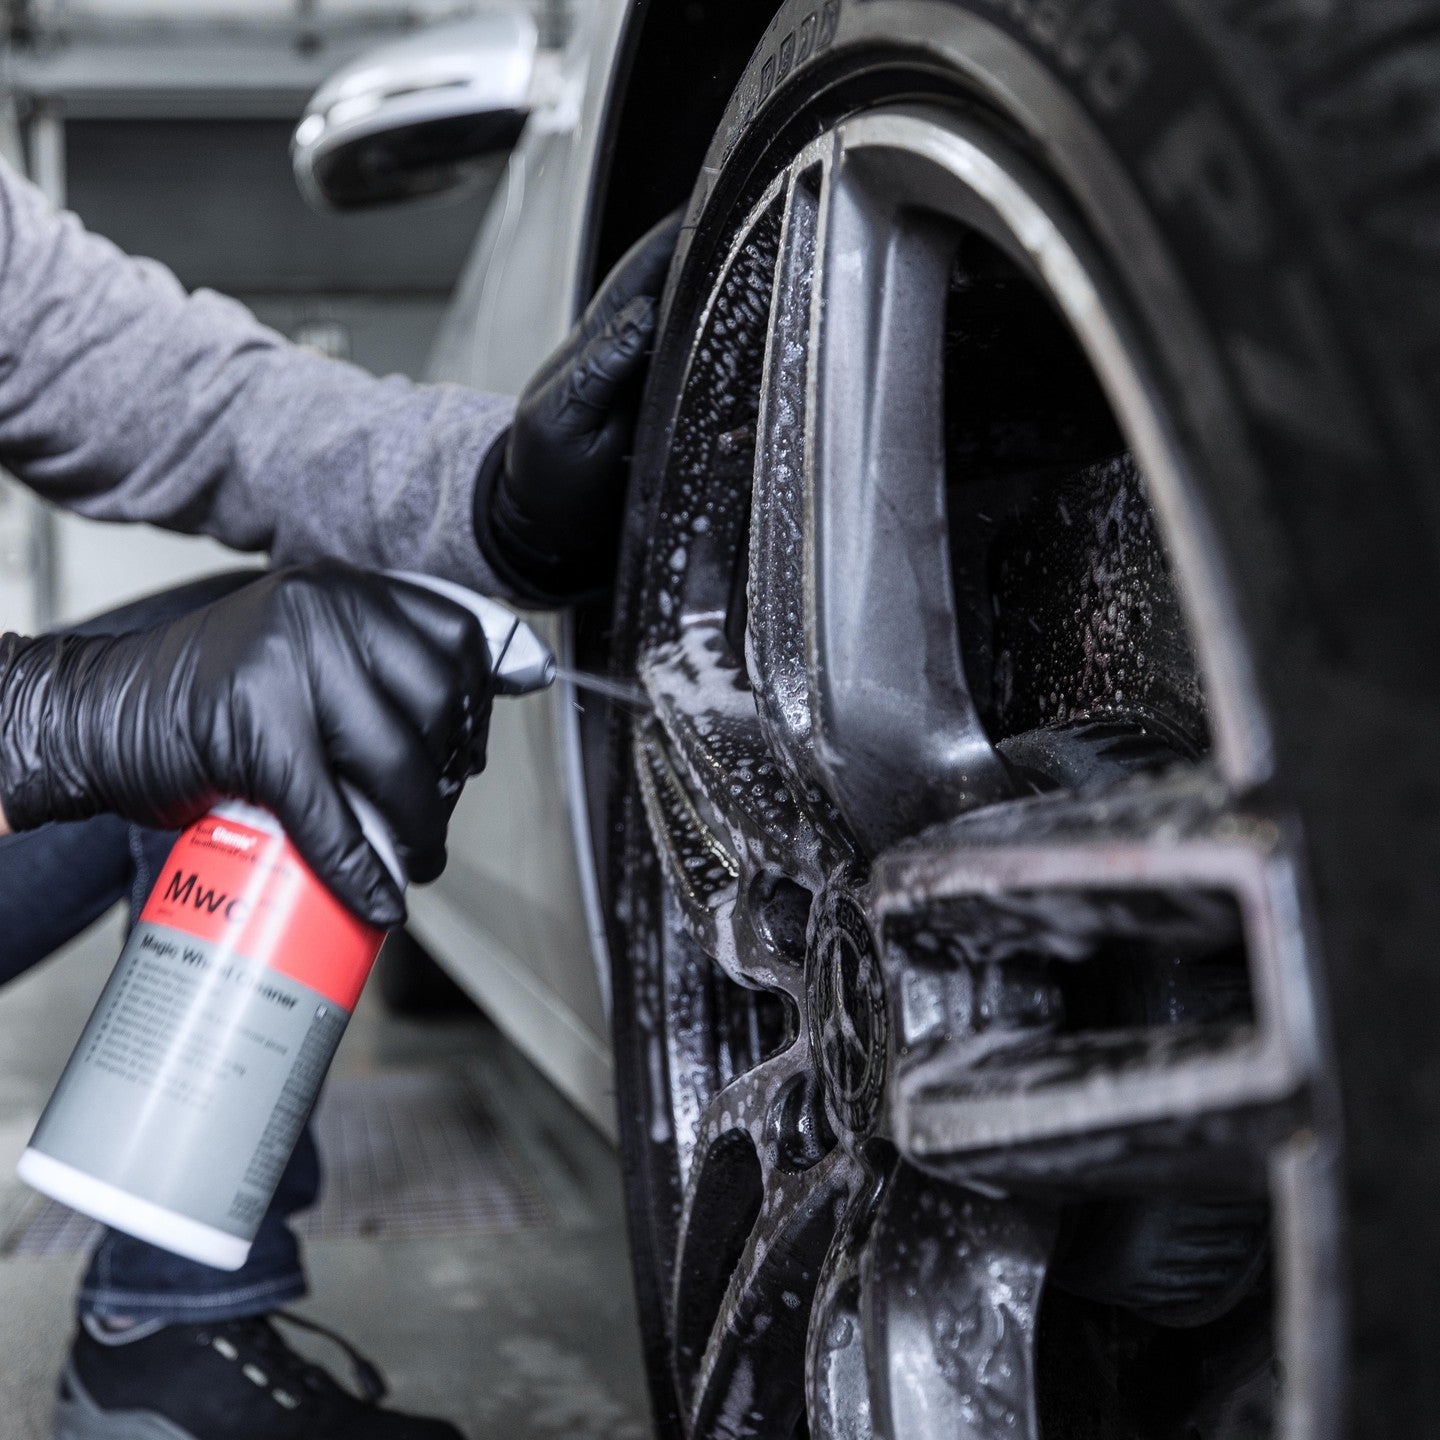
{"points": [[520, 660]]}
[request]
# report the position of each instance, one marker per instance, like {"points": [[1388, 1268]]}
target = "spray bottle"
{"points": [[193, 1078]]}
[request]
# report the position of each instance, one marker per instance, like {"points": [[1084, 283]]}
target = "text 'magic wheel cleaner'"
{"points": [[194, 1077]]}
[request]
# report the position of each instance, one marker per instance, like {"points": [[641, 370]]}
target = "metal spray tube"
{"points": [[198, 1068]]}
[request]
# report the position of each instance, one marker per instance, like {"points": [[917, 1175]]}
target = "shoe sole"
{"points": [[78, 1417]]}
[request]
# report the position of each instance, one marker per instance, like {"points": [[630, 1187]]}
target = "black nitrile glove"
{"points": [[550, 496], [267, 695]]}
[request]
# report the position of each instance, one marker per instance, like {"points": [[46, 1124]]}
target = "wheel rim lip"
{"points": [[1241, 755]]}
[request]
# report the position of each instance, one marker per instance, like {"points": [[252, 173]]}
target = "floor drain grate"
{"points": [[407, 1155]]}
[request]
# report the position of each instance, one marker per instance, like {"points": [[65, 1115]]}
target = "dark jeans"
{"points": [[53, 883]]}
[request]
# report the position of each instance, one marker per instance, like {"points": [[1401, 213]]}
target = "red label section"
{"points": [[236, 886]]}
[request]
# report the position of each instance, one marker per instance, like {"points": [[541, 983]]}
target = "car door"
{"points": [[515, 917]]}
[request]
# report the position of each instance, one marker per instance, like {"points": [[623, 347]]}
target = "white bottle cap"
{"points": [[519, 659]]}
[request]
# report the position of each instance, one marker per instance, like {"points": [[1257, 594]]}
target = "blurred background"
{"points": [[148, 118]]}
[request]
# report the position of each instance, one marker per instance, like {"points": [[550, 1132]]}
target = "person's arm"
{"points": [[124, 398]]}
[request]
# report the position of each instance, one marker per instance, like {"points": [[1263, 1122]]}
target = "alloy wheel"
{"points": [[972, 971]]}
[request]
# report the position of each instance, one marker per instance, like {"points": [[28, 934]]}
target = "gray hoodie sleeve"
{"points": [[124, 398]]}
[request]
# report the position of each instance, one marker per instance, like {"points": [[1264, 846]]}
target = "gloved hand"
{"points": [[267, 695], [549, 502]]}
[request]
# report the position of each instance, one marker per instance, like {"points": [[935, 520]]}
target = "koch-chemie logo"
{"points": [[233, 839]]}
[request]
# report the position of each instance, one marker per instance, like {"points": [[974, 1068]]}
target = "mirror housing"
{"points": [[419, 116]]}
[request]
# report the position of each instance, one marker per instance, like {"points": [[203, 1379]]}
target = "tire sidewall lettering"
{"points": [[795, 46], [1138, 74], [1087, 41]]}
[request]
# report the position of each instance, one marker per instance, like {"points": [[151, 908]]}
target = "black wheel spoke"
{"points": [[706, 711], [778, 607], [837, 1367], [745, 1381], [702, 871], [896, 738], [951, 1293], [925, 1317], [765, 1192]]}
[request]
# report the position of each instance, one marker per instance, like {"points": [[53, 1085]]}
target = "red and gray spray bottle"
{"points": [[195, 1074]]}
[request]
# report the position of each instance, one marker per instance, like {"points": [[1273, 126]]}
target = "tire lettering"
{"points": [[815, 33], [1048, 23], [787, 57], [1084, 38], [1306, 392], [1201, 164], [807, 38], [1117, 74], [1201, 169]]}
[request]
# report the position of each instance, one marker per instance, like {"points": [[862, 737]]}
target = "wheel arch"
{"points": [[673, 51]]}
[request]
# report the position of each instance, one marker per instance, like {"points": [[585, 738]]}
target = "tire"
{"points": [[1249, 189]]}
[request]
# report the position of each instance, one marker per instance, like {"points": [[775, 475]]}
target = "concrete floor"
{"points": [[522, 1333]]}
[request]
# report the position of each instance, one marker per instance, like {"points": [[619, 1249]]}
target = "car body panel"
{"points": [[515, 918]]}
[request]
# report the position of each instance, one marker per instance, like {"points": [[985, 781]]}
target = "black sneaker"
{"points": [[233, 1380]]}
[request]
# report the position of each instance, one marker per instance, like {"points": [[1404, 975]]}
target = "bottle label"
{"points": [[201, 1062], [234, 885]]}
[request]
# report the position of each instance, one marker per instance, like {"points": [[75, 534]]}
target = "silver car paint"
{"points": [[515, 917], [487, 62]]}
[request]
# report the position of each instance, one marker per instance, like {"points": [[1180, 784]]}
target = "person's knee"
{"points": [[54, 882]]}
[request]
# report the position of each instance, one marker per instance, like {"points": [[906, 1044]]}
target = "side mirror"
{"points": [[419, 116]]}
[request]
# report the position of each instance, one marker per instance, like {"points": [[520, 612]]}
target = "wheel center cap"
{"points": [[849, 1023]]}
